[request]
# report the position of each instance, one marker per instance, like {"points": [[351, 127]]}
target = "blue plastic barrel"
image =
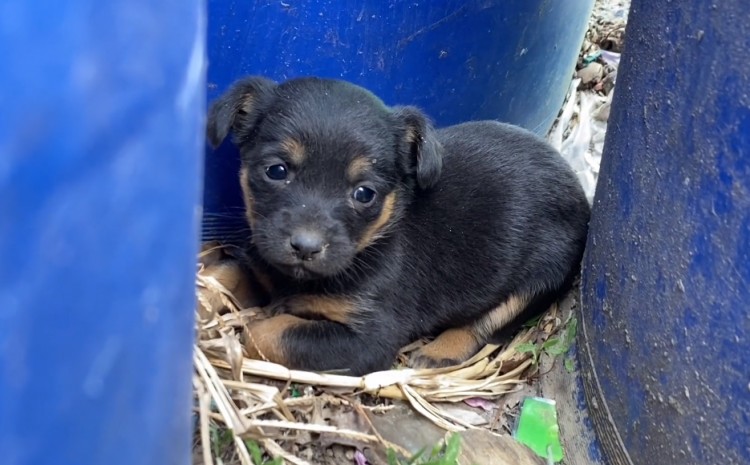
{"points": [[459, 60], [666, 288], [101, 152]]}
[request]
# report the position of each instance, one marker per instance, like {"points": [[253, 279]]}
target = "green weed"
{"points": [[553, 346], [439, 455]]}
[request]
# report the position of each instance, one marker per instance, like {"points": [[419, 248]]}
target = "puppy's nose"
{"points": [[306, 244]]}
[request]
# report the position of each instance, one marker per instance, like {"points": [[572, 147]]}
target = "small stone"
{"points": [[608, 83], [482, 446], [602, 114], [592, 72], [349, 454]]}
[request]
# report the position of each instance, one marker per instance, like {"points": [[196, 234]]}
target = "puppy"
{"points": [[371, 229]]}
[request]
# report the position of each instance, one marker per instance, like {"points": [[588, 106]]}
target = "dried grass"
{"points": [[252, 397]]}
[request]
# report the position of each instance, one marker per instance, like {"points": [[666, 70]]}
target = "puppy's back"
{"points": [[514, 167], [508, 212]]}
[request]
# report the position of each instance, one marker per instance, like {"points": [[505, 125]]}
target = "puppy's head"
{"points": [[327, 169]]}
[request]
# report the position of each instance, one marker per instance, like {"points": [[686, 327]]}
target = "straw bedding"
{"points": [[280, 409]]}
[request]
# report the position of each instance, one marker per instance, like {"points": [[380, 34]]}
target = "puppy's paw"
{"points": [[235, 279], [450, 348], [419, 360], [334, 308], [264, 339]]}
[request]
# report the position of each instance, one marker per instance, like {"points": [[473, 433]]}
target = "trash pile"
{"points": [[579, 131]]}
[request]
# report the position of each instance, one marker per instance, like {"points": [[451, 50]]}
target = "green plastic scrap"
{"points": [[593, 57], [537, 428]]}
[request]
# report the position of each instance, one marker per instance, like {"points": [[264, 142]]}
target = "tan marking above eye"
{"points": [[411, 136], [248, 103], [295, 149], [356, 167]]}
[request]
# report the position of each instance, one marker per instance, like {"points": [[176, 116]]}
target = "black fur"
{"points": [[482, 211]]}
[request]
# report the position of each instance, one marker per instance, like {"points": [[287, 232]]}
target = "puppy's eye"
{"points": [[363, 194], [276, 172]]}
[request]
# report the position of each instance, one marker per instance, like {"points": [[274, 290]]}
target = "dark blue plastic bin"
{"points": [[101, 154], [510, 60], [666, 288]]}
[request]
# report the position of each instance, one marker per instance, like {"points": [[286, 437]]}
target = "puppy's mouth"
{"points": [[304, 270], [300, 271]]}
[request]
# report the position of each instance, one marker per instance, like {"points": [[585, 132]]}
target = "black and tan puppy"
{"points": [[370, 229]]}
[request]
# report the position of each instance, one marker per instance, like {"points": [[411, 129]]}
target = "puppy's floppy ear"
{"points": [[238, 108], [418, 142]]}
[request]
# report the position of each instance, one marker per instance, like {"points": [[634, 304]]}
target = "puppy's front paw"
{"points": [[450, 348], [334, 308], [265, 338]]}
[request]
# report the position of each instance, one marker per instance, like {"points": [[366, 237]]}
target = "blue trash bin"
{"points": [[509, 60], [101, 152], [666, 283]]}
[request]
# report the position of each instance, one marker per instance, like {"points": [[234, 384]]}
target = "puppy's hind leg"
{"points": [[456, 345], [507, 317], [452, 347]]}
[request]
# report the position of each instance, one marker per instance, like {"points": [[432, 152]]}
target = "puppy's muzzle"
{"points": [[307, 244]]}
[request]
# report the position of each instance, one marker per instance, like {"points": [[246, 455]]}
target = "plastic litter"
{"points": [[592, 57], [537, 428], [611, 58], [359, 458], [479, 402], [578, 134]]}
